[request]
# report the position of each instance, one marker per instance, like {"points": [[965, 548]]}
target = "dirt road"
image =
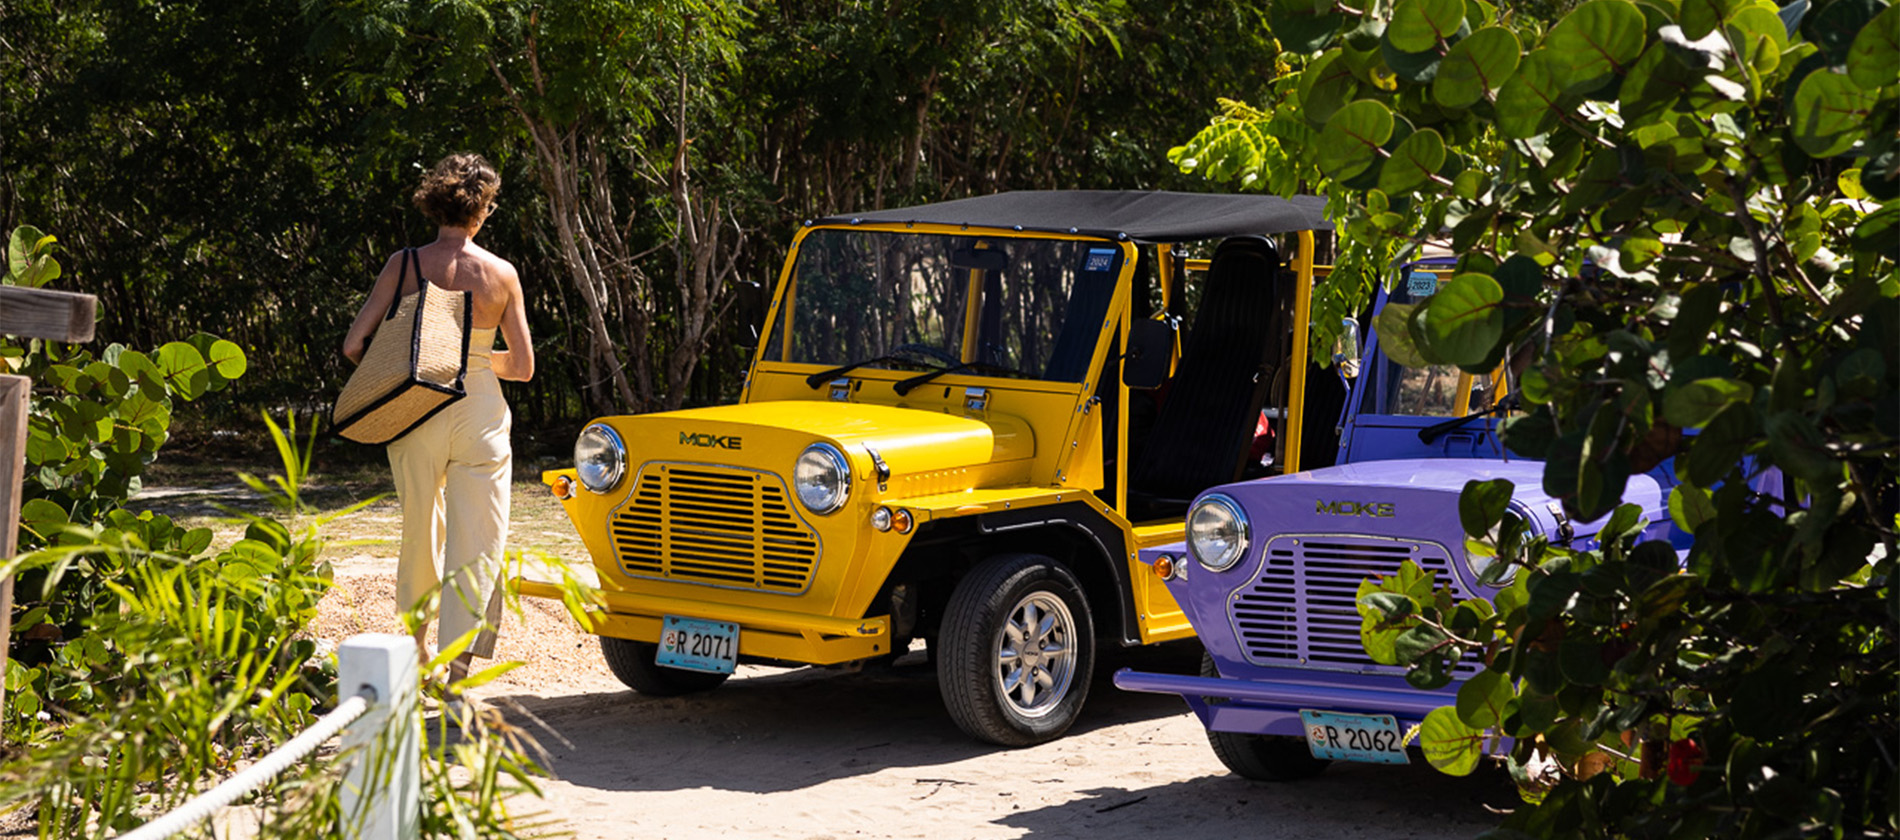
{"points": [[811, 754], [806, 754]]}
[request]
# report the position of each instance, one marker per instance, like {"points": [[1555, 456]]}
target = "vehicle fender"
{"points": [[1096, 531]]}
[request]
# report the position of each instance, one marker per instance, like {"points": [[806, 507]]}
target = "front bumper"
{"points": [[1272, 706], [765, 634]]}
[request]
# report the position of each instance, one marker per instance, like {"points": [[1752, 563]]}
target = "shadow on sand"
{"points": [[776, 730]]}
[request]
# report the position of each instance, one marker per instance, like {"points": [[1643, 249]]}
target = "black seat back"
{"points": [[1205, 426]]}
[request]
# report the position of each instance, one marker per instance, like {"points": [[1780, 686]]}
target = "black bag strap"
{"points": [[402, 279]]}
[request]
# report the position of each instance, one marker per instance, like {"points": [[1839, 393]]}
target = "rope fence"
{"points": [[381, 793]]}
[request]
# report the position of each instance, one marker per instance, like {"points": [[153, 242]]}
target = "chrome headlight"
{"points": [[599, 458], [821, 478], [1218, 532]]}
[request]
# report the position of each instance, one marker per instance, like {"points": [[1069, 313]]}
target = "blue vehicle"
{"points": [[1270, 571]]}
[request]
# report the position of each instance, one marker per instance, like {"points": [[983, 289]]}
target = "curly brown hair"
{"points": [[457, 190]]}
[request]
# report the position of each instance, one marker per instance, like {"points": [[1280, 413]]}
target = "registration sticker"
{"points": [[1099, 259], [694, 644], [1421, 284], [1341, 737]]}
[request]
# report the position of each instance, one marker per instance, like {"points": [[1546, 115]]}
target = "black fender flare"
{"points": [[1095, 529]]}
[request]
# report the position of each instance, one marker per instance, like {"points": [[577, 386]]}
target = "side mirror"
{"points": [[1150, 353], [1346, 349]]}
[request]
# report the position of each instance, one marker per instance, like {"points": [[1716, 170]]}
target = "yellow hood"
{"points": [[908, 440]]}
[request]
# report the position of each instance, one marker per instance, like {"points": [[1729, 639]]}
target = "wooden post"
{"points": [[48, 314], [28, 313]]}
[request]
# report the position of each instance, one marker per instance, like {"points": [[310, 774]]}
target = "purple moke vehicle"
{"points": [[1270, 573]]}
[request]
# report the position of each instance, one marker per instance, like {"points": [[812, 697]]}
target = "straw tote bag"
{"points": [[414, 365]]}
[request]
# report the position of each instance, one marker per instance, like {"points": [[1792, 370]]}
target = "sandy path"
{"points": [[806, 754]]}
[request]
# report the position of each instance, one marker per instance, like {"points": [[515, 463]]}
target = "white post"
{"points": [[382, 788]]}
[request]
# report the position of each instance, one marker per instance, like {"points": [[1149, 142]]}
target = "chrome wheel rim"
{"points": [[1035, 655]]}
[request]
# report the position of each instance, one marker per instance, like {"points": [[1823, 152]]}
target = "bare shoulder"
{"points": [[498, 268], [392, 268]]}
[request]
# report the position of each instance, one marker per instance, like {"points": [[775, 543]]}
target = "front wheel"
{"points": [[1018, 650], [1264, 758], [633, 662]]}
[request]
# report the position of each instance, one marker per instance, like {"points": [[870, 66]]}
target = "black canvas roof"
{"points": [[1144, 216]]}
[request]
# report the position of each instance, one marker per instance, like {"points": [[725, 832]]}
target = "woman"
{"points": [[453, 471]]}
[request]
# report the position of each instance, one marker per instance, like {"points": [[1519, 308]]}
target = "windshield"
{"points": [[1032, 306], [1432, 391]]}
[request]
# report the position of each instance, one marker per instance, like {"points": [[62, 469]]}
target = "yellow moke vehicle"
{"points": [[964, 421]]}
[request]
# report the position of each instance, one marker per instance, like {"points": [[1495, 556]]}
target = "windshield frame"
{"points": [[776, 319]]}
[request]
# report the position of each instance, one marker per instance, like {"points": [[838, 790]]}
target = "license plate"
{"points": [[695, 644], [1341, 737]]}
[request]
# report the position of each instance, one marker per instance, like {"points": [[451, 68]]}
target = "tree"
{"points": [[1684, 215]]}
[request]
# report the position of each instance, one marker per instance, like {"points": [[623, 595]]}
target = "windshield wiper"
{"points": [[824, 376], [1437, 430], [908, 385]]}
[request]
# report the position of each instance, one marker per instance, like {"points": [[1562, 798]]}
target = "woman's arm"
{"points": [[516, 363], [356, 341]]}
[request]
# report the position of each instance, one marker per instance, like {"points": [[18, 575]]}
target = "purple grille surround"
{"points": [[1301, 610]]}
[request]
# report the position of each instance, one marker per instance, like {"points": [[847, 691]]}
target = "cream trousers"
{"points": [[452, 477]]}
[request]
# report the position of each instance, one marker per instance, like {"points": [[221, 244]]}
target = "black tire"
{"points": [[1263, 758], [971, 664], [633, 663]]}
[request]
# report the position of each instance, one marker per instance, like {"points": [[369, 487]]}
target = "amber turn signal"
{"points": [[562, 487], [901, 521], [1164, 567]]}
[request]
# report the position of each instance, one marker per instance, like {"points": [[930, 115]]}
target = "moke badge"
{"points": [[706, 441], [1380, 509]]}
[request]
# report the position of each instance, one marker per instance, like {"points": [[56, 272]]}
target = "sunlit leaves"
{"points": [[1595, 43], [1690, 506], [1419, 25], [1873, 59], [1477, 65], [1702, 273], [1326, 87], [1417, 158], [1464, 319], [1482, 504], [1450, 744], [30, 260], [1830, 113], [1351, 141], [1694, 404], [1528, 102]]}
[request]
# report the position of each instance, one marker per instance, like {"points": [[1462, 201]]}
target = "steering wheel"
{"points": [[939, 354]]}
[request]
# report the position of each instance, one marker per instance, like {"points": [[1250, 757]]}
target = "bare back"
{"points": [[489, 279], [456, 263]]}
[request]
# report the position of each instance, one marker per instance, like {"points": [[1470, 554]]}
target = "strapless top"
{"points": [[481, 343]]}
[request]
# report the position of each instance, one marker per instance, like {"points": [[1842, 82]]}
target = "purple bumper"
{"points": [[1270, 704]]}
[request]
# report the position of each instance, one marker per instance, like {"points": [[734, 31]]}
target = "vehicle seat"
{"points": [[1203, 430]]}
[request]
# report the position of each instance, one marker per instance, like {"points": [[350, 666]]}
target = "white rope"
{"points": [[205, 804]]}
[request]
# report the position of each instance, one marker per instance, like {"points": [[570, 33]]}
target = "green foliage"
{"points": [[97, 423], [30, 261], [243, 166], [148, 665], [1682, 214]]}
